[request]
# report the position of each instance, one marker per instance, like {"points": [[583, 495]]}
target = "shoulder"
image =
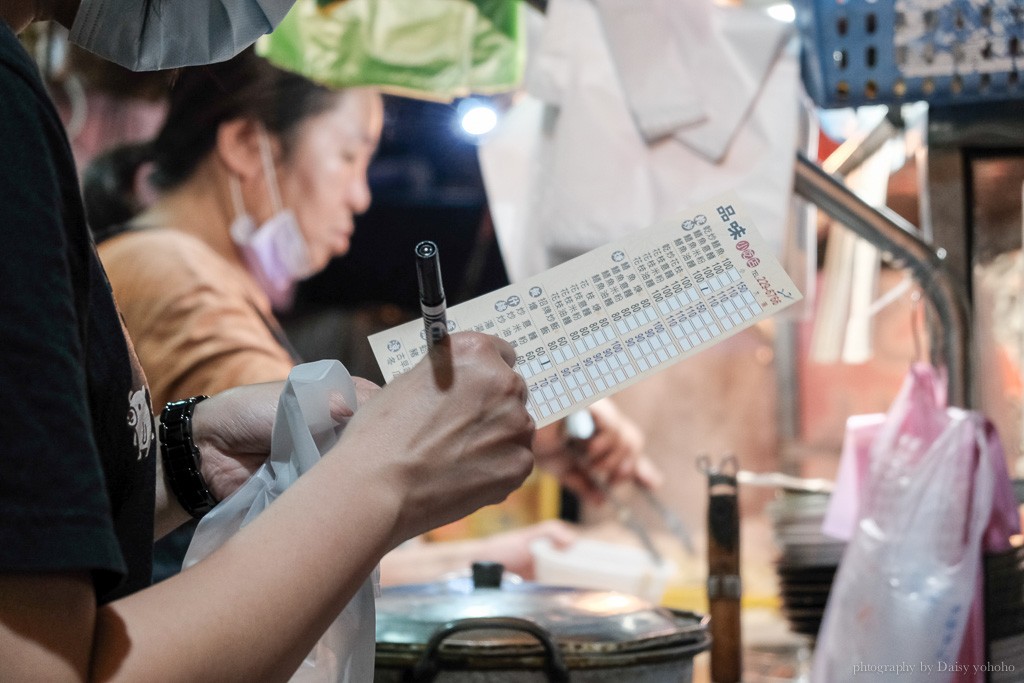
{"points": [[166, 256], [35, 160], [173, 243], [161, 274], [22, 94], [16, 66]]}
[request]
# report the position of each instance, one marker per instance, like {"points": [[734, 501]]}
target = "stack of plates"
{"points": [[808, 558], [804, 593]]}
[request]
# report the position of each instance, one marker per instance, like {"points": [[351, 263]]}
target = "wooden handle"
{"points": [[726, 648], [724, 589]]}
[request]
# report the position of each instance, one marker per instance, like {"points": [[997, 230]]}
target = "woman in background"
{"points": [[260, 174]]}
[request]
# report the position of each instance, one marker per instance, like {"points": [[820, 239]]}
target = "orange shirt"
{"points": [[200, 323]]}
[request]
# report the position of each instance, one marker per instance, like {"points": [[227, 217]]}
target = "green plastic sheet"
{"points": [[434, 49]]}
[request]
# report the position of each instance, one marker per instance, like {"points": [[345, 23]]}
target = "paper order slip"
{"points": [[615, 315]]}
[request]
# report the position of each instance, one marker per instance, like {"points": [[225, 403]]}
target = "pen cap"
{"points": [[428, 273]]}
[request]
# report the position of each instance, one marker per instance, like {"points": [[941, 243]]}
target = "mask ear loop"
{"points": [[235, 190], [268, 168], [240, 229]]}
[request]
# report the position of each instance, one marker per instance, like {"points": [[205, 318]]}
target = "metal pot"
{"points": [[495, 629]]}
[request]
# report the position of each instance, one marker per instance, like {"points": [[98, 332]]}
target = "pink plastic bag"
{"points": [[844, 504], [907, 592]]}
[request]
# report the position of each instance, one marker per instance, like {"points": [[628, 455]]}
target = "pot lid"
{"points": [[577, 620]]}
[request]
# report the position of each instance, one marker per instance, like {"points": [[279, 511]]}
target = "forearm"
{"points": [[249, 612], [168, 515], [252, 610]]}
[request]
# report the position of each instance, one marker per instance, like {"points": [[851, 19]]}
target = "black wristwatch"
{"points": [[181, 457]]}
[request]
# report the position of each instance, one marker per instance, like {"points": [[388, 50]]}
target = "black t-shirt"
{"points": [[76, 430]]}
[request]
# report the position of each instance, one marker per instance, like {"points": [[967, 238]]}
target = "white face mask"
{"points": [[167, 34], [275, 252]]}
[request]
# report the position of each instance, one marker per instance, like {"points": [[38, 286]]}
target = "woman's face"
{"points": [[323, 179]]}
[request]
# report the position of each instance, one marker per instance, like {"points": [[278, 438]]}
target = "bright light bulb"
{"points": [[782, 12], [479, 120]]}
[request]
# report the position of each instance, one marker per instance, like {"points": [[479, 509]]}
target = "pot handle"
{"points": [[427, 668]]}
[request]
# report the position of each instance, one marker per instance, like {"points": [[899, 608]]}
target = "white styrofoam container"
{"points": [[601, 565]]}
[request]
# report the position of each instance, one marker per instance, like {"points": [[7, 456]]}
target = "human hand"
{"points": [[614, 454], [446, 449], [232, 430], [512, 548]]}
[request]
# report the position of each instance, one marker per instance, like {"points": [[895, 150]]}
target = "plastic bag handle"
{"points": [[304, 424], [985, 481]]}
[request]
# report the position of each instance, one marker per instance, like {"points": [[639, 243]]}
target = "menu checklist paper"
{"points": [[607, 319]]}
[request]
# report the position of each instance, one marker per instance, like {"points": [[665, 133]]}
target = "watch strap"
{"points": [[181, 457]]}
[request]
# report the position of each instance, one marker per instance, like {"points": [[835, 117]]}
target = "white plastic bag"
{"points": [[303, 431], [901, 597]]}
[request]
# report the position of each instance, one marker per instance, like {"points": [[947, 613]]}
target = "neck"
{"points": [[201, 207]]}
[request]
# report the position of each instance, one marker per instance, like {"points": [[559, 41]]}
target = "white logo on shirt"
{"points": [[140, 418]]}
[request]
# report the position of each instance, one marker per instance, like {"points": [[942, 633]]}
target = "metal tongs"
{"points": [[783, 481], [580, 428]]}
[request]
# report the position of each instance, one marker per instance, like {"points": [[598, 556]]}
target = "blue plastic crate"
{"points": [[858, 52]]}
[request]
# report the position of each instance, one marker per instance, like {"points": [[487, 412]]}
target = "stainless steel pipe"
{"points": [[949, 328]]}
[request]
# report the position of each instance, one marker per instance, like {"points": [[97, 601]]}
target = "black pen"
{"points": [[432, 302]]}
